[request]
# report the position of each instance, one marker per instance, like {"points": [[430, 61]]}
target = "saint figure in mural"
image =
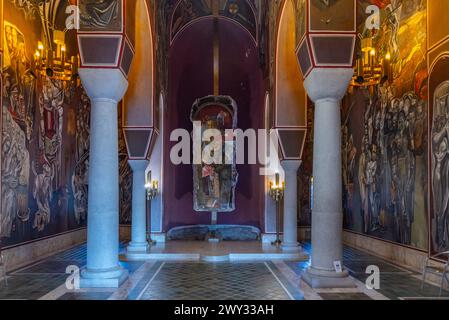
{"points": [[103, 14], [17, 123], [214, 183], [440, 164]]}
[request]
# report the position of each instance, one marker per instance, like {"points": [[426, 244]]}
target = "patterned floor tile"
{"points": [[397, 285], [223, 281], [344, 296], [85, 296], [30, 287], [49, 266], [78, 253], [360, 266]]}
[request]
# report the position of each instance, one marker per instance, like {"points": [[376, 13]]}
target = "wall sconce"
{"points": [[277, 194], [152, 189], [52, 61], [277, 189]]}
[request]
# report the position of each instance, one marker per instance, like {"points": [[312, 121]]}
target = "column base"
{"points": [[291, 247], [111, 278], [268, 238], [159, 237], [318, 279], [137, 247]]}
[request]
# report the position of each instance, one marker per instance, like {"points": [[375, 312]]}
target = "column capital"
{"points": [[103, 84], [139, 165], [328, 83], [291, 165]]}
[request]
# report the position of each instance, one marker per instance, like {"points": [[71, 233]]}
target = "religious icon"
{"points": [[214, 182]]}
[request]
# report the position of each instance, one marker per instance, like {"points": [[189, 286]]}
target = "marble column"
{"points": [[105, 88], [290, 240], [139, 223], [326, 88]]}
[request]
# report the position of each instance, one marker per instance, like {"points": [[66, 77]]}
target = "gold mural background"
{"points": [[385, 140], [45, 132]]}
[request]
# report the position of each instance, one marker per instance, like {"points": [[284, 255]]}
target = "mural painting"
{"points": [[45, 140], [440, 164], [439, 152], [125, 178], [384, 134]]}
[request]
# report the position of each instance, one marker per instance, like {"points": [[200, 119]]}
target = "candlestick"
{"points": [[63, 57]]}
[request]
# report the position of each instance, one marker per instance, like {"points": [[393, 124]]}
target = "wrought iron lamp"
{"points": [[152, 188], [277, 194]]}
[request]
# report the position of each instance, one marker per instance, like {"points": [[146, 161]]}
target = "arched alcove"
{"points": [[191, 76], [139, 120], [290, 114]]}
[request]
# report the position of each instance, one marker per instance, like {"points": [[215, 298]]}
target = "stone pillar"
{"points": [[326, 88], [139, 223], [290, 240], [105, 88]]}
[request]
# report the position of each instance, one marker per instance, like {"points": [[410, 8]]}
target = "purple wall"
{"points": [[191, 77]]}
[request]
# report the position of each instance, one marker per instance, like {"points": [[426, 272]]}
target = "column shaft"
{"points": [[290, 241], [326, 87], [139, 223], [327, 187], [105, 88], [103, 217]]}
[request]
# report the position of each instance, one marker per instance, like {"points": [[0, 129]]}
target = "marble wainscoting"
{"points": [[403, 256], [26, 254]]}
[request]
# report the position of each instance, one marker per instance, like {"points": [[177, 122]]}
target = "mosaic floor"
{"points": [[269, 280]]}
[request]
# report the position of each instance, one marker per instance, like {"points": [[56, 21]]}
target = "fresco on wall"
{"points": [[440, 164], [439, 151], [80, 177], [187, 11], [125, 178], [45, 144], [18, 104], [242, 12], [305, 174], [103, 15], [301, 19], [384, 133]]}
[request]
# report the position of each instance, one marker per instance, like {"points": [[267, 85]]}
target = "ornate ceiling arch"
{"points": [[188, 12]]}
